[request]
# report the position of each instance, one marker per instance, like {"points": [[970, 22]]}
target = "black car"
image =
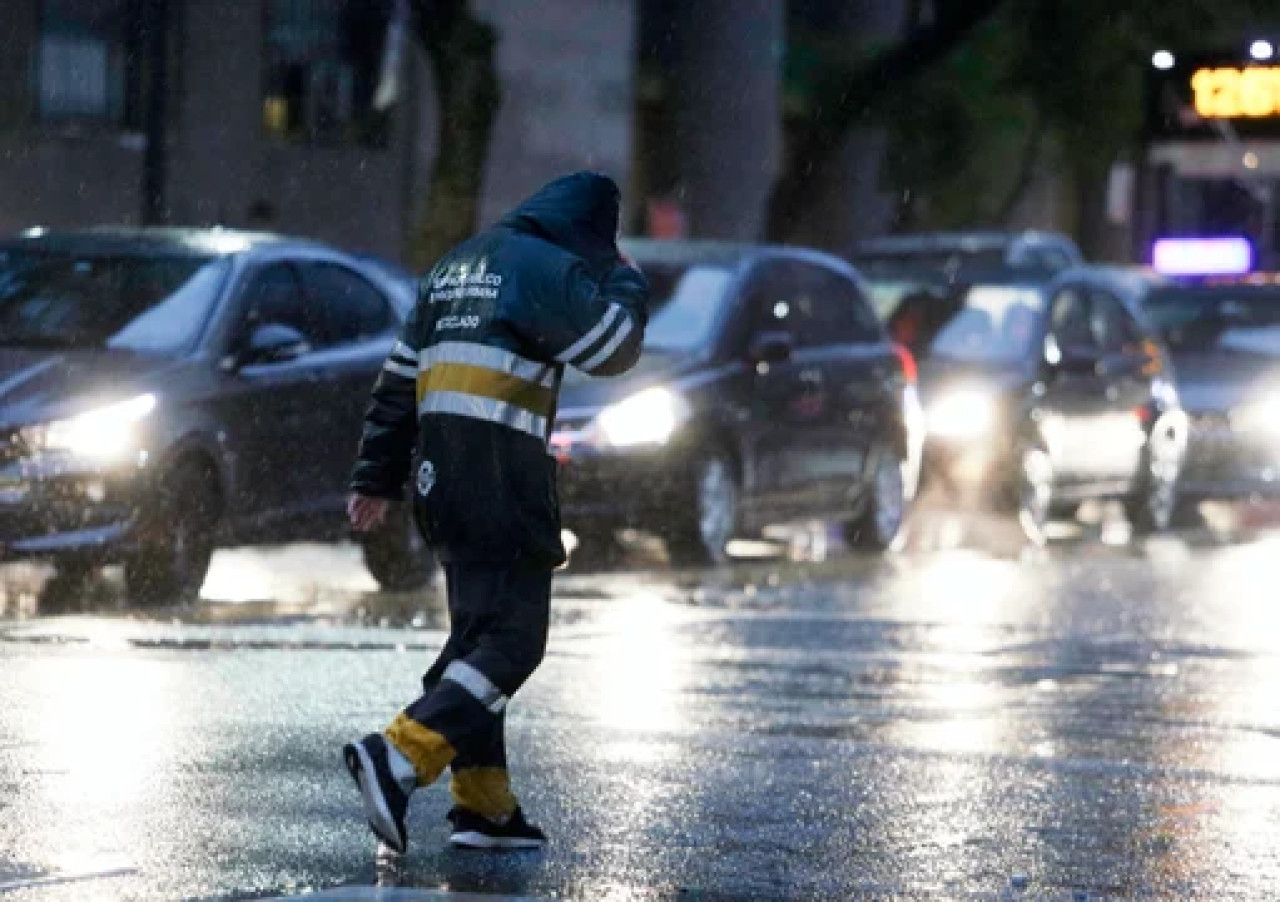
{"points": [[1026, 251], [166, 391], [1041, 395], [767, 392], [1225, 341]]}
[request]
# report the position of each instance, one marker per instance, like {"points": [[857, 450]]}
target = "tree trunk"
{"points": [[461, 49], [1090, 174], [814, 145]]}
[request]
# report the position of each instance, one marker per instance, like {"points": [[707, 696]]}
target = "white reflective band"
{"points": [[403, 350], [580, 346], [478, 408], [400, 369], [472, 354], [607, 351], [477, 684]]}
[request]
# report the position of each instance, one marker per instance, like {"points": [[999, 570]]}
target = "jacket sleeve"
{"points": [[596, 325], [391, 422]]}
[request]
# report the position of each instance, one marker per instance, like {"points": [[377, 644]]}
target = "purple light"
{"points": [[1202, 256]]}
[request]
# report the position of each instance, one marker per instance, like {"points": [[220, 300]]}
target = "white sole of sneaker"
{"points": [[375, 805], [470, 839]]}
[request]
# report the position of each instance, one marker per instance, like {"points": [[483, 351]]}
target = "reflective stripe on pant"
{"points": [[498, 619]]}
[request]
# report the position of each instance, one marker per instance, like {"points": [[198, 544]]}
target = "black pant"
{"points": [[498, 620]]}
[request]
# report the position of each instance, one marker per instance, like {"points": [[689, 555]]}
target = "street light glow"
{"points": [[1262, 50], [1162, 59]]}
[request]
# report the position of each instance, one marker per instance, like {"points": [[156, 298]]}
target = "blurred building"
{"points": [[267, 117]]}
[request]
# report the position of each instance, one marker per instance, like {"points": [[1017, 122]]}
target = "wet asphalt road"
{"points": [[945, 724]]}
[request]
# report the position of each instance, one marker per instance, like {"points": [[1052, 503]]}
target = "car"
{"points": [[1042, 394], [167, 391], [1043, 252], [1224, 336], [767, 392]]}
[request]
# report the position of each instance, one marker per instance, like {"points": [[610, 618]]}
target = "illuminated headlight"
{"points": [[650, 417], [1260, 416], [962, 413], [105, 435]]}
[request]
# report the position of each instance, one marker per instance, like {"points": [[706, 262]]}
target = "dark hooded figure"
{"points": [[471, 387]]}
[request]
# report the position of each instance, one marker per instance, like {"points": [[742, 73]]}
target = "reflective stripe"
{"points": [[476, 683], [579, 347], [491, 358], [465, 379], [400, 369], [607, 351], [478, 408], [403, 350]]}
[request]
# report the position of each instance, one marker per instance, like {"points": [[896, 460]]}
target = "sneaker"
{"points": [[386, 797], [474, 831]]}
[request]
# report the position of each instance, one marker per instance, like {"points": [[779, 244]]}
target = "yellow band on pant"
{"points": [[484, 790], [428, 751]]}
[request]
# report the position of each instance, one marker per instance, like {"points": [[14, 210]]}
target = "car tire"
{"points": [[702, 527], [1153, 505], [395, 553], [1033, 491], [597, 549], [178, 539], [879, 526]]}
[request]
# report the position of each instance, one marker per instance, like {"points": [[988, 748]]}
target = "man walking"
{"points": [[473, 384]]}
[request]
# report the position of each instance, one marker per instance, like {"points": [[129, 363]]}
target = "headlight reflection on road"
{"points": [[103, 727]]}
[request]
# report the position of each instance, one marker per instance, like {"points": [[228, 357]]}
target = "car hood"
{"points": [[939, 374], [583, 392], [43, 384], [1219, 381]]}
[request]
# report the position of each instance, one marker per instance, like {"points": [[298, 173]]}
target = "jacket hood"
{"points": [[578, 213]]}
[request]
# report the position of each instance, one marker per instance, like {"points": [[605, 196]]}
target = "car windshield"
{"points": [[685, 301], [992, 324], [151, 304], [1245, 318]]}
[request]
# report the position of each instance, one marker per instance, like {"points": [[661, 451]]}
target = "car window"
{"points": [[1070, 323], [994, 323], [772, 297], [148, 304], [1049, 258], [810, 304], [684, 305], [841, 313], [275, 296], [353, 309], [1113, 327]]}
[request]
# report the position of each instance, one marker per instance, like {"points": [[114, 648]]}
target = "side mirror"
{"points": [[273, 343], [772, 347]]}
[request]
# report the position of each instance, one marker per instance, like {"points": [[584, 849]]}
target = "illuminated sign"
{"points": [[1202, 256], [1231, 93]]}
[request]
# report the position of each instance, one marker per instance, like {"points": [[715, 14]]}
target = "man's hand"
{"points": [[365, 513]]}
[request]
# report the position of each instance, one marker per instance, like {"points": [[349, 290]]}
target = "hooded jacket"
{"points": [[472, 384]]}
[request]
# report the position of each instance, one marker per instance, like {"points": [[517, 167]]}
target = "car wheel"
{"points": [[395, 554], [177, 543], [1152, 506], [702, 529], [597, 548], [880, 523], [1034, 492]]}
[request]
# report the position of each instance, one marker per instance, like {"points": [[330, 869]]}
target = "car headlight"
{"points": [[649, 417], [962, 413], [1262, 416], [104, 435]]}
